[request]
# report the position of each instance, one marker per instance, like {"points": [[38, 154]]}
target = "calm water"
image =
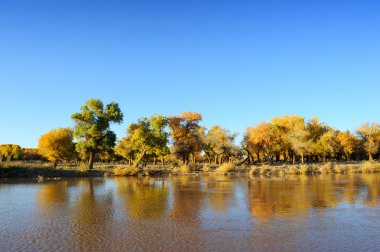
{"points": [[216, 213]]}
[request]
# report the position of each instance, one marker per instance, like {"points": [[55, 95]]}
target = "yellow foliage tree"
{"points": [[347, 142], [57, 145], [369, 134]]}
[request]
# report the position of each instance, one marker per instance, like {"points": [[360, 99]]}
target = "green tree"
{"points": [[92, 129], [147, 137]]}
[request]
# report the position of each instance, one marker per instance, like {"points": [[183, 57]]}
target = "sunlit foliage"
{"points": [[219, 145], [57, 145], [369, 134], [187, 135], [92, 129], [146, 138], [10, 152]]}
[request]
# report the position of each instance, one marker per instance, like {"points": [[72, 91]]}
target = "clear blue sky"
{"points": [[236, 62]]}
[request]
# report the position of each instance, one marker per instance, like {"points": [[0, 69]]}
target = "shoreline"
{"points": [[42, 171]]}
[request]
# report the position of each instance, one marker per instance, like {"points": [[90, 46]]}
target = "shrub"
{"points": [[368, 167], [125, 171], [226, 168], [206, 168], [292, 169], [182, 169], [83, 168]]}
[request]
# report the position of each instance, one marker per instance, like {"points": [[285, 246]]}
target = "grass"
{"points": [[125, 171], [20, 169], [226, 168]]}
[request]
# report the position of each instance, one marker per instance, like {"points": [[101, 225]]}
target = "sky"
{"points": [[236, 62]]}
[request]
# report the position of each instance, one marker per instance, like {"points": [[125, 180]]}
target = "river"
{"points": [[192, 213]]}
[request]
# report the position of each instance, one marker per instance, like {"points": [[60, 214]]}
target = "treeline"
{"points": [[182, 139], [13, 152]]}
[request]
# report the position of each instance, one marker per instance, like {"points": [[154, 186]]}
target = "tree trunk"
{"points": [[55, 164], [370, 157], [91, 160], [137, 161], [294, 158], [302, 159]]}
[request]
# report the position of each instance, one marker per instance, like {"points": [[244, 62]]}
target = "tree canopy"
{"points": [[92, 129], [57, 145]]}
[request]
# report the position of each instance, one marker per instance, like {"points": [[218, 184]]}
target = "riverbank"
{"points": [[45, 170]]}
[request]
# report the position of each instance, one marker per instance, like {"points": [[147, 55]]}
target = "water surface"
{"points": [[192, 213]]}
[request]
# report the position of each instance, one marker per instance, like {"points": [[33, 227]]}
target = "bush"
{"points": [[83, 168], [206, 168], [125, 171], [184, 169], [368, 167], [226, 168]]}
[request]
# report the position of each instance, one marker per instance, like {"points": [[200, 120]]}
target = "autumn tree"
{"points": [[369, 134], [327, 144], [147, 137], [347, 142], [284, 125], [10, 152], [92, 129], [265, 138], [298, 139], [186, 134], [219, 144], [57, 145]]}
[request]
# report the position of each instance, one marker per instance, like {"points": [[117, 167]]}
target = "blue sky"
{"points": [[236, 62]]}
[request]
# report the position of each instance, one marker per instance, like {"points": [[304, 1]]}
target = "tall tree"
{"points": [[327, 144], [186, 134], [265, 137], [147, 137], [369, 134], [57, 145], [92, 129], [347, 142], [219, 144], [298, 139], [284, 125]]}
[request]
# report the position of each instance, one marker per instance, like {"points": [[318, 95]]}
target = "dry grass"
{"points": [[226, 168], [125, 171]]}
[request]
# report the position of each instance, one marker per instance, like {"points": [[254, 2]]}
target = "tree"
{"points": [[10, 152], [57, 145], [219, 144], [347, 142], [92, 129], [327, 144], [265, 138], [147, 137], [369, 134], [284, 125], [297, 137], [186, 134]]}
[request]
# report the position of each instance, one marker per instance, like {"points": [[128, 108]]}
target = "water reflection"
{"points": [[143, 198], [143, 213]]}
